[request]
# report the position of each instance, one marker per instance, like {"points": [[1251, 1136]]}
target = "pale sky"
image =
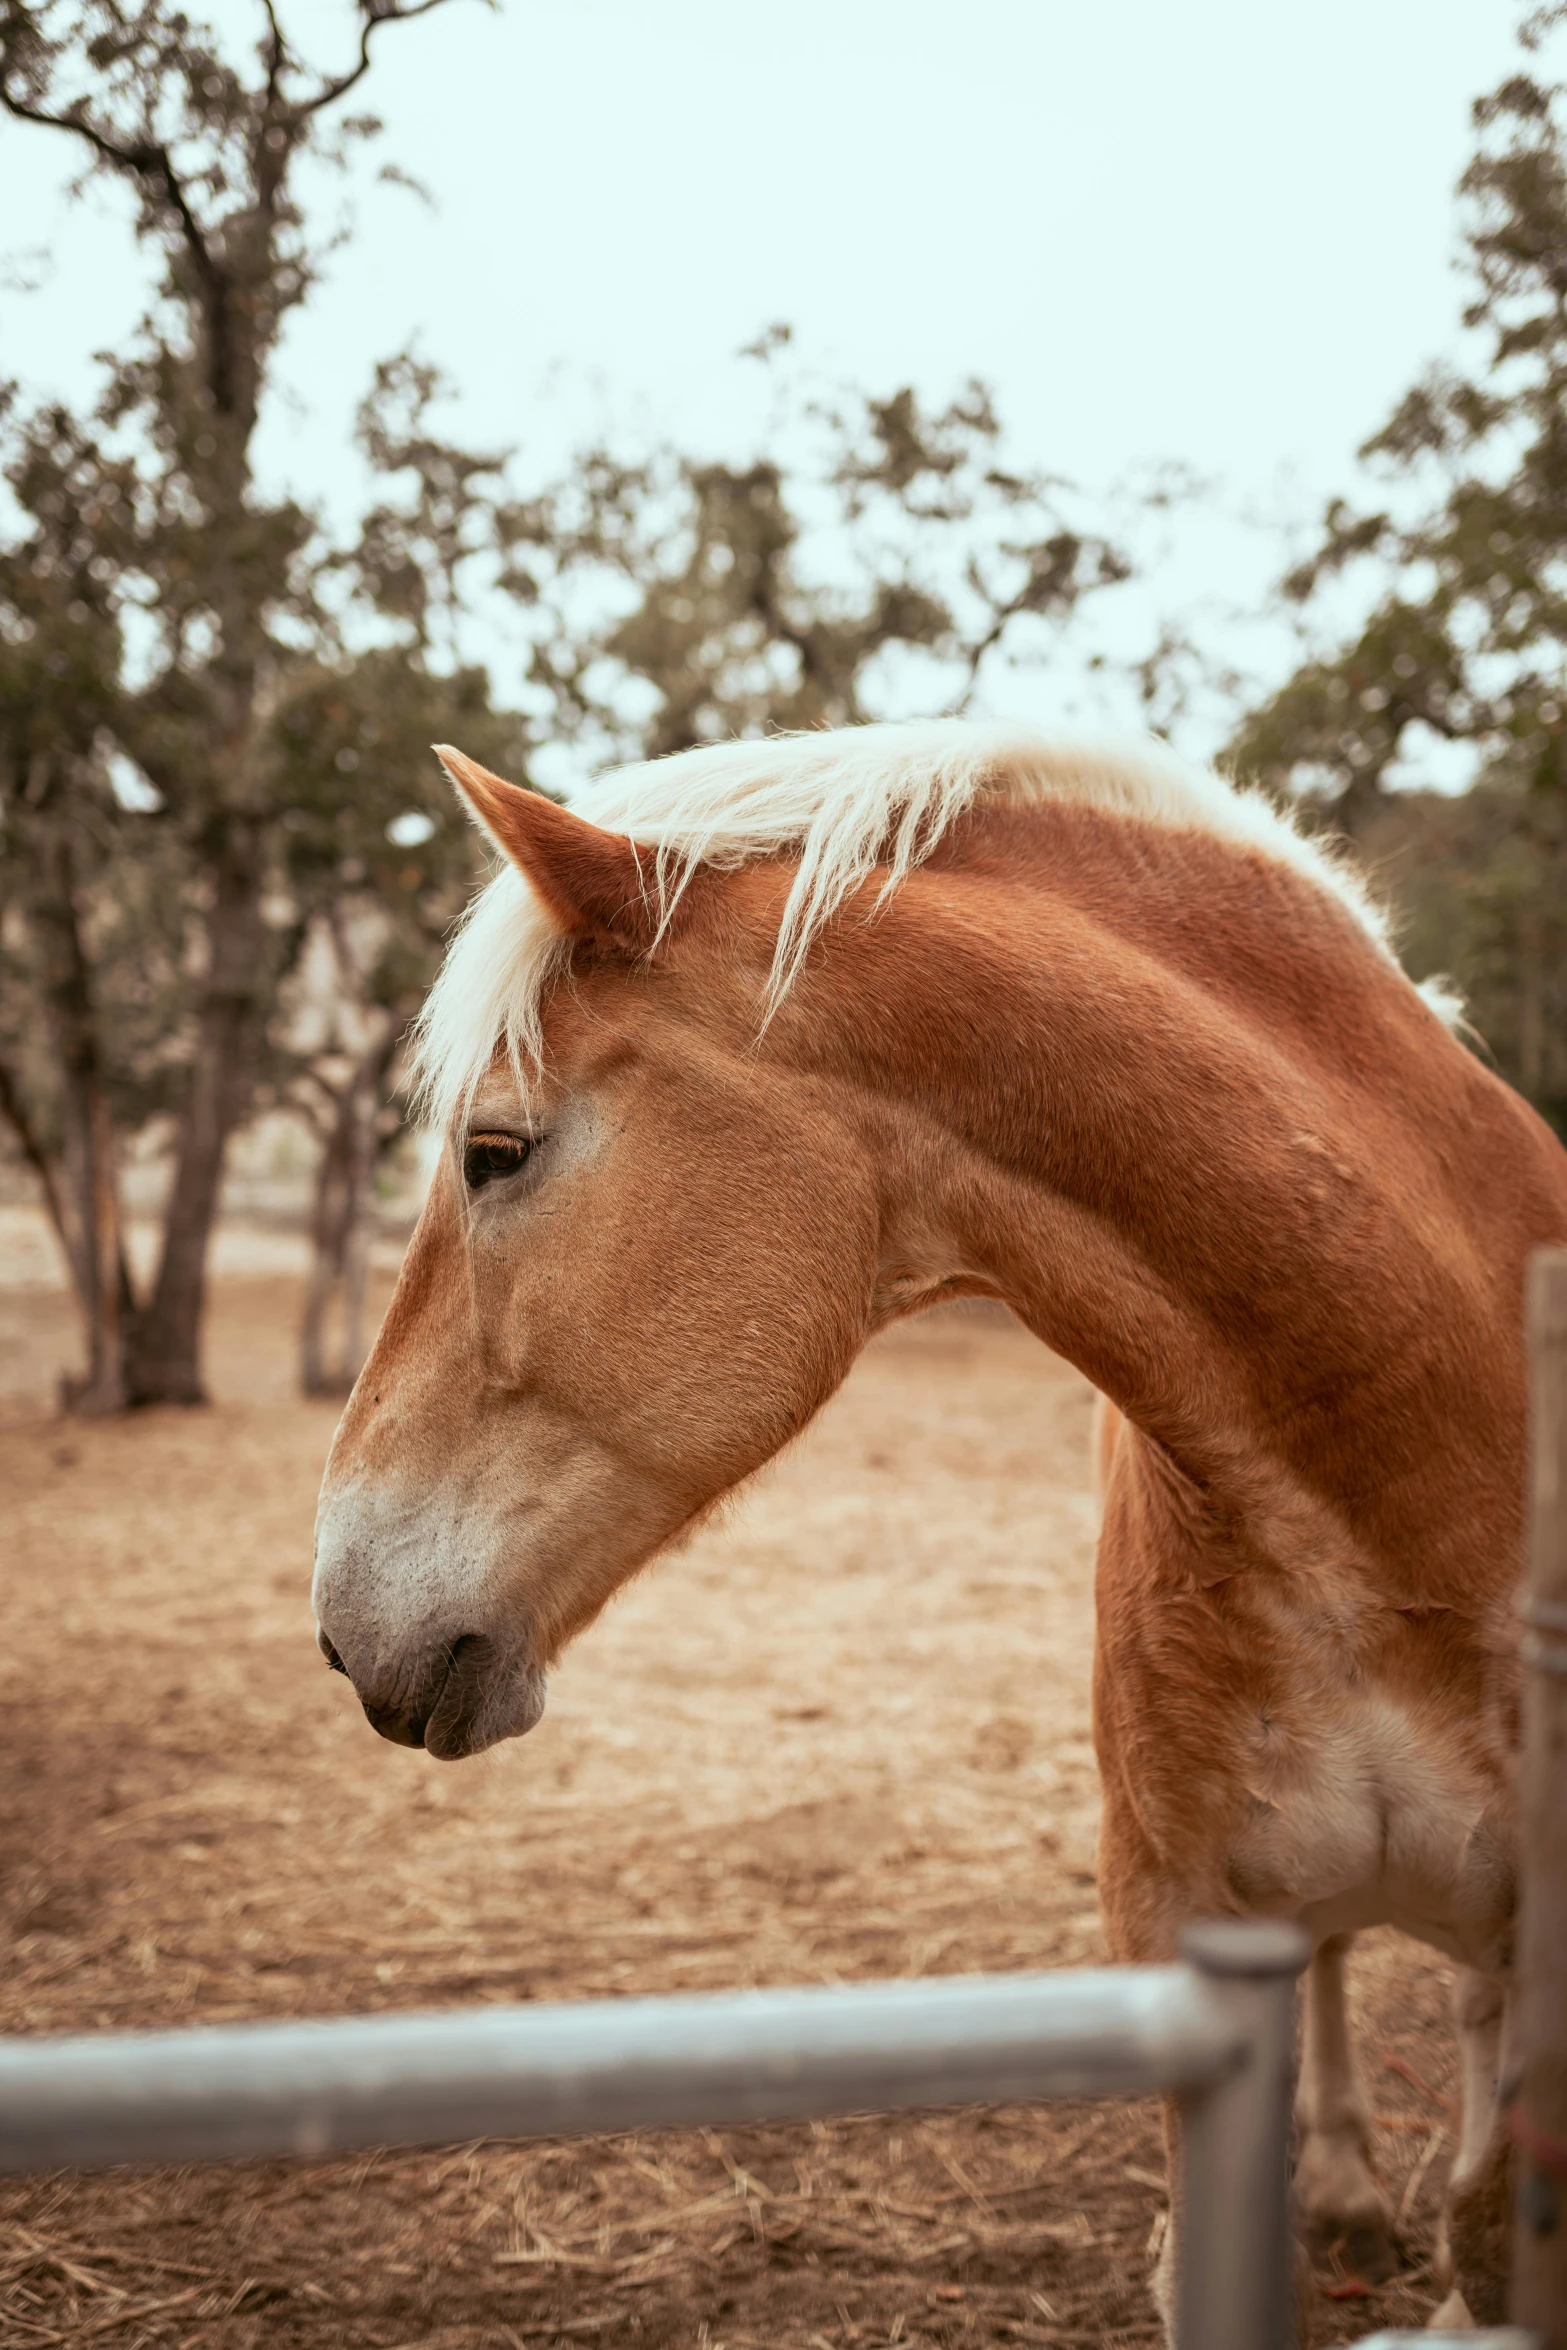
{"points": [[1220, 233]]}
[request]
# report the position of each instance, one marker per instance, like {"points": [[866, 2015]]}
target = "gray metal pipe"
{"points": [[553, 2071], [1235, 2254]]}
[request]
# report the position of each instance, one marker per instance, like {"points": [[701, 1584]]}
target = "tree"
{"points": [[230, 862], [94, 946], [220, 579], [1459, 570], [1480, 883], [375, 875], [667, 599], [881, 565]]}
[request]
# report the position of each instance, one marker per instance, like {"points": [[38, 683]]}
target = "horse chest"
{"points": [[1364, 1799], [1297, 1740]]}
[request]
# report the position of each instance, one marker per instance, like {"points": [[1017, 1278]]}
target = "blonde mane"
{"points": [[847, 805]]}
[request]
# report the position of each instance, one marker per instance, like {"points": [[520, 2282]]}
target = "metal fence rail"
{"points": [[1216, 2030], [549, 2071]]}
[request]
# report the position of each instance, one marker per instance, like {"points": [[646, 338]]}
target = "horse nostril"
{"points": [[331, 1655]]}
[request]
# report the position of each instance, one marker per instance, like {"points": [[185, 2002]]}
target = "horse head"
{"points": [[648, 1254]]}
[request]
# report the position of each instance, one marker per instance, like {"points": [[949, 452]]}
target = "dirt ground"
{"points": [[844, 1734]]}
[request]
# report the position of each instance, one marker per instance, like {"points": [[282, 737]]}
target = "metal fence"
{"points": [[1217, 2031]]}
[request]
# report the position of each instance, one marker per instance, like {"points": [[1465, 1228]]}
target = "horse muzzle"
{"points": [[460, 1696], [437, 1650]]}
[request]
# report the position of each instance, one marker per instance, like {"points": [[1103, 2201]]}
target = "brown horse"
{"points": [[761, 1047]]}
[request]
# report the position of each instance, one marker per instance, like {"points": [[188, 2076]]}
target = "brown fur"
{"points": [[1102, 1443], [1161, 1095]]}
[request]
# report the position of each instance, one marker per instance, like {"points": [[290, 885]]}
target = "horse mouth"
{"points": [[452, 1726], [478, 1696]]}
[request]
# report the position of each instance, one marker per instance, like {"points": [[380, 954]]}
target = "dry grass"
{"points": [[844, 1735]]}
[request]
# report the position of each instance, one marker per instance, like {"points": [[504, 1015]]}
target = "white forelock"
{"points": [[846, 805]]}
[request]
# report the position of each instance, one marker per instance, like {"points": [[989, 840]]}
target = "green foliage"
{"points": [[158, 609], [1480, 881], [214, 723], [364, 815], [886, 560], [61, 695], [1461, 566], [340, 753], [1467, 636]]}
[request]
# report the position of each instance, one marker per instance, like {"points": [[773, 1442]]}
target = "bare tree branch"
{"points": [[190, 228], [277, 55], [1004, 615], [136, 159], [147, 162], [375, 12]]}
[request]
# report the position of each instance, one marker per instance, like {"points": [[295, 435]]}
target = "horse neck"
{"points": [[1167, 1100]]}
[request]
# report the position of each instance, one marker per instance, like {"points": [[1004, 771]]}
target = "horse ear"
{"points": [[592, 881]]}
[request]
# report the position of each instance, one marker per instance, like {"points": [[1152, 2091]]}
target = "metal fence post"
{"points": [[1235, 2288], [1539, 2116]]}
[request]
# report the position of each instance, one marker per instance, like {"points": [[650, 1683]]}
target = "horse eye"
{"points": [[488, 1156]]}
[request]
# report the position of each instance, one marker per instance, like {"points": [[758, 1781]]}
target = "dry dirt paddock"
{"points": [[843, 1735]]}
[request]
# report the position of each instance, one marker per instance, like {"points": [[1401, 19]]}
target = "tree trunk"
{"points": [[165, 1353], [86, 1207], [104, 1389], [356, 1258], [327, 1226], [13, 1109], [341, 1228]]}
